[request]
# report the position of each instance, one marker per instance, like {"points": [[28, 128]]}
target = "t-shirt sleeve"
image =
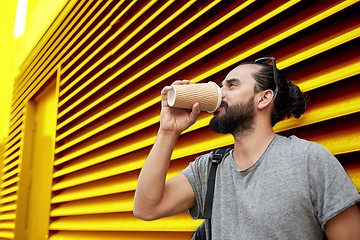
{"points": [[196, 174], [332, 190]]}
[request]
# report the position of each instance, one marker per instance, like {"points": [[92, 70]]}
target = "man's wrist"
{"points": [[168, 133]]}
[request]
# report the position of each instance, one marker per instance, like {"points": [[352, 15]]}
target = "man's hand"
{"points": [[176, 120]]}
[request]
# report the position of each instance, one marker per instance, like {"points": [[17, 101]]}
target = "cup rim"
{"points": [[219, 96]]}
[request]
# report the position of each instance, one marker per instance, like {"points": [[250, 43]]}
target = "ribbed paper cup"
{"points": [[208, 95]]}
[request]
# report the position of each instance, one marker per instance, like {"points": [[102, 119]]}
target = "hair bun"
{"points": [[297, 101]]}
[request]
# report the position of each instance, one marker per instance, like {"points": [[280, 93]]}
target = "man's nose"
{"points": [[223, 93]]}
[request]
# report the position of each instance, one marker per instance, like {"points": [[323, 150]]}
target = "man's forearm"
{"points": [[151, 182]]}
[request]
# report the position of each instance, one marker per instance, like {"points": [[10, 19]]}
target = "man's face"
{"points": [[236, 113]]}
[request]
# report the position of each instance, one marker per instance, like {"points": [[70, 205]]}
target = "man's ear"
{"points": [[265, 99]]}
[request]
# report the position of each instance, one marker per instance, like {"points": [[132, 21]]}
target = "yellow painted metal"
{"points": [[97, 201], [113, 51], [125, 222], [138, 58], [10, 174], [56, 56], [96, 189], [111, 235], [36, 167], [8, 199], [106, 204], [118, 59], [286, 32], [354, 174], [19, 93], [318, 47], [328, 77], [123, 12], [122, 29], [7, 234], [321, 114]]}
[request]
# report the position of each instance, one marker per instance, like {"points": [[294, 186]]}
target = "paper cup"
{"points": [[208, 95]]}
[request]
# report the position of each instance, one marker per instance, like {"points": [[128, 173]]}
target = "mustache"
{"points": [[224, 104]]}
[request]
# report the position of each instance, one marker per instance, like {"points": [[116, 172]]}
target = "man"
{"points": [[269, 186]]}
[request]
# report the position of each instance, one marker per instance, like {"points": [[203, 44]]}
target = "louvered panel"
{"points": [[42, 49], [39, 74], [14, 131], [114, 57], [41, 58], [71, 64], [34, 56], [71, 57], [122, 56], [122, 30], [118, 88], [137, 92]]}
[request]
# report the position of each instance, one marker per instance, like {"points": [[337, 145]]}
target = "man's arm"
{"points": [[345, 225], [155, 198]]}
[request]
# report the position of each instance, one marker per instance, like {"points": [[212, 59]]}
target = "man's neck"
{"points": [[249, 146]]}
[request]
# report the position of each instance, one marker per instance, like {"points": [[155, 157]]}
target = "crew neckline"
{"points": [[256, 164]]}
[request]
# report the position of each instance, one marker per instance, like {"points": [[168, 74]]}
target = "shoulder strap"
{"points": [[216, 158]]}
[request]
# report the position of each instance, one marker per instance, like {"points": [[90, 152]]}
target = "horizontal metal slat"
{"points": [[116, 184], [10, 174], [7, 216], [125, 222], [6, 234], [8, 199], [96, 235], [107, 204]]}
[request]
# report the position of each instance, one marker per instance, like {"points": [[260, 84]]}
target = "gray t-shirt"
{"points": [[289, 193]]}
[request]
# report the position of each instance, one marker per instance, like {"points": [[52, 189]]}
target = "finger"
{"points": [[164, 92], [195, 112], [166, 89], [181, 82]]}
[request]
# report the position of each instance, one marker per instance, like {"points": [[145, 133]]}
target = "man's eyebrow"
{"points": [[228, 81]]}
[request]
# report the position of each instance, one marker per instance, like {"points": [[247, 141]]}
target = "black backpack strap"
{"points": [[216, 158]]}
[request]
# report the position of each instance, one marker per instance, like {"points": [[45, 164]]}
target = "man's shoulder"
{"points": [[293, 141]]}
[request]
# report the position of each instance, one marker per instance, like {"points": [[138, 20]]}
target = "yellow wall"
{"points": [[40, 14], [110, 59], [7, 63]]}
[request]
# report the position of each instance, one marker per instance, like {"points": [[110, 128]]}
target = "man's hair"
{"points": [[290, 100]]}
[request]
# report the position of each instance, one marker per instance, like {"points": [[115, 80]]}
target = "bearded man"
{"points": [[269, 186]]}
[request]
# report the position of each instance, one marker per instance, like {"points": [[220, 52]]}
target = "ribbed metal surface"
{"points": [[112, 58]]}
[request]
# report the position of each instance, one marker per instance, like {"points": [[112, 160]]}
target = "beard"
{"points": [[236, 119]]}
